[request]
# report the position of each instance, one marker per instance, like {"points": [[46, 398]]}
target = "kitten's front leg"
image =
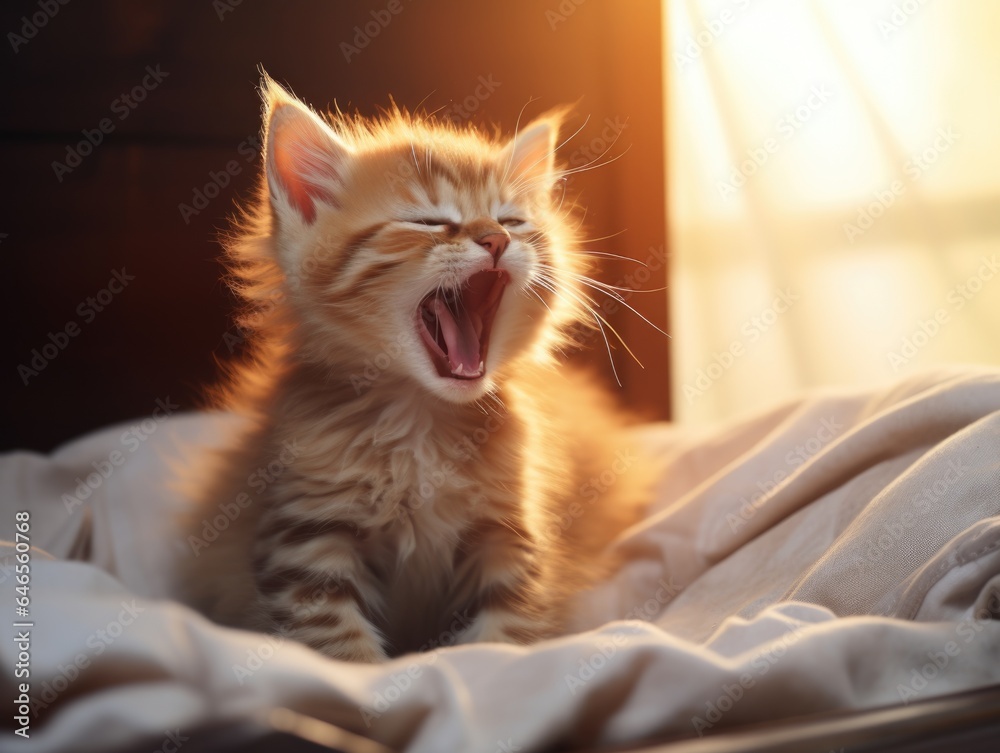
{"points": [[317, 590], [509, 600]]}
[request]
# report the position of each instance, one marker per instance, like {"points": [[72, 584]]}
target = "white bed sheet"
{"points": [[840, 551]]}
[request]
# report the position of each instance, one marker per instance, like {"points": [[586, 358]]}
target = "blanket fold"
{"points": [[841, 551]]}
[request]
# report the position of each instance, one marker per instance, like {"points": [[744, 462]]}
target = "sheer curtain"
{"points": [[834, 194]]}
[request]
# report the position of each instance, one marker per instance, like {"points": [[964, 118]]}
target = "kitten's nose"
{"points": [[494, 243]]}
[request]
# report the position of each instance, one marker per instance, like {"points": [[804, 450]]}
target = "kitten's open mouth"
{"points": [[455, 324]]}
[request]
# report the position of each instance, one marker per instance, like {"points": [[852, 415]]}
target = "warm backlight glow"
{"points": [[833, 178]]}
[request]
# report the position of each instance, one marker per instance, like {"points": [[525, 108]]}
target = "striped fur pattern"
{"points": [[383, 501]]}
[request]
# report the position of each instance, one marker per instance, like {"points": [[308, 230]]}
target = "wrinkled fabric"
{"points": [[841, 551]]}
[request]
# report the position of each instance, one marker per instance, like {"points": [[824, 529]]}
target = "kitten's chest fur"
{"points": [[419, 482]]}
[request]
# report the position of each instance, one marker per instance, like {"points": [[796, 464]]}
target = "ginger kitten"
{"points": [[413, 456]]}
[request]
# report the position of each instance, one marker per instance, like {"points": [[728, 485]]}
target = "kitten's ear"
{"points": [[531, 154], [305, 160]]}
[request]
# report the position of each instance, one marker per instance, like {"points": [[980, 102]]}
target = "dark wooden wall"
{"points": [[64, 233]]}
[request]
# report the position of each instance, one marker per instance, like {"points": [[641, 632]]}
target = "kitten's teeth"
{"points": [[459, 370]]}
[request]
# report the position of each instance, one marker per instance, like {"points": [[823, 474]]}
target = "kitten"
{"points": [[413, 455]]}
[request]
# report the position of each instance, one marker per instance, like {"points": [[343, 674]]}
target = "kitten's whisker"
{"points": [[593, 165], [611, 256], [413, 151], [593, 162], [571, 136], [496, 399], [583, 298], [623, 302], [611, 358], [535, 293], [610, 287], [569, 296], [517, 127], [501, 408], [610, 147], [602, 238], [619, 337], [611, 290], [517, 185], [580, 296], [525, 184], [430, 114], [514, 529]]}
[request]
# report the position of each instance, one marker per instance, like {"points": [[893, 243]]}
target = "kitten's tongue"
{"points": [[461, 335], [455, 325]]}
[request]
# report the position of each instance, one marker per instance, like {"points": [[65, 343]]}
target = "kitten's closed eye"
{"points": [[442, 222], [432, 222]]}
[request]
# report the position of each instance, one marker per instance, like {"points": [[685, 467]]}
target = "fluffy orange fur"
{"points": [[411, 452]]}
